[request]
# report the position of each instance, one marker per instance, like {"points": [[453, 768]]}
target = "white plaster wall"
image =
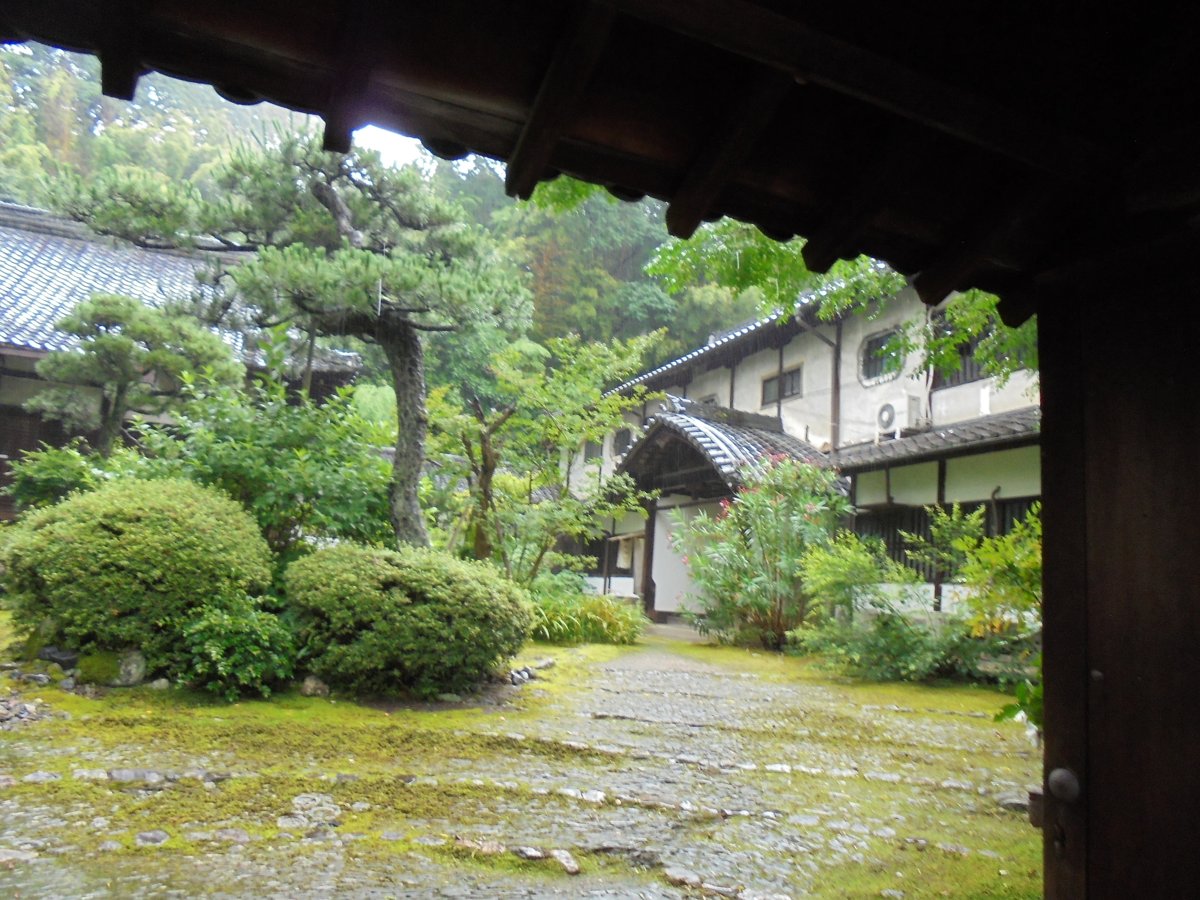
{"points": [[15, 389], [861, 401], [672, 582], [714, 382], [983, 398], [1015, 473]]}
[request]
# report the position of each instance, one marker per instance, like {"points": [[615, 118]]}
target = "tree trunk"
{"points": [[401, 343], [487, 471], [112, 413]]}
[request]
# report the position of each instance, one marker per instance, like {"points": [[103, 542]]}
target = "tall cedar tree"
{"points": [[342, 245]]}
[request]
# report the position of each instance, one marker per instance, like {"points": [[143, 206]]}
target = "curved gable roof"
{"points": [[732, 444]]}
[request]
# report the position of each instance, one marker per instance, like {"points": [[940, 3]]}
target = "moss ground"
{"points": [[832, 788]]}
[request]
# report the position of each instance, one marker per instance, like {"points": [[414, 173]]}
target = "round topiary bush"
{"points": [[131, 564], [381, 621]]}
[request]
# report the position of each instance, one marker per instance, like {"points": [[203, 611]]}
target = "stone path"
{"points": [[656, 775]]}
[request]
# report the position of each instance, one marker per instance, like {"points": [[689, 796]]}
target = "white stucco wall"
{"points": [[983, 398], [1008, 473], [672, 583]]}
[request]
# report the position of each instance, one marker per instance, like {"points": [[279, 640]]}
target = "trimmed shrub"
{"points": [[131, 564], [239, 649], [565, 614], [382, 621]]}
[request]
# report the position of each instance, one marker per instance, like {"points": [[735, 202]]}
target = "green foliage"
{"points": [[130, 357], [564, 612], [132, 564], [747, 561], [303, 469], [45, 476], [738, 256], [953, 536], [100, 667], [849, 572], [1004, 574], [237, 648], [382, 621], [1029, 701], [508, 486], [887, 644]]}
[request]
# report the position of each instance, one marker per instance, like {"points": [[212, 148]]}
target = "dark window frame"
{"points": [[873, 363], [783, 386]]}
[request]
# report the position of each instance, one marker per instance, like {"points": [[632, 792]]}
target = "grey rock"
{"points": [[38, 678], [448, 698], [109, 846], [159, 684], [429, 840], [152, 838], [67, 684], [681, 877], [360, 806], [232, 835], [292, 823], [7, 781], [14, 856], [41, 777], [529, 853], [131, 669], [90, 774], [547, 663], [1014, 802], [566, 860], [68, 659], [314, 687], [595, 796], [391, 836]]}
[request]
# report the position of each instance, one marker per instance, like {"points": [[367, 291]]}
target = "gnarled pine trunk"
{"points": [[405, 355]]}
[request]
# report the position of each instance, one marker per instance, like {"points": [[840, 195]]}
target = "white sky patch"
{"points": [[396, 149]]}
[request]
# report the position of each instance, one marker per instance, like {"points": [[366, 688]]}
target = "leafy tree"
{"points": [[515, 451], [133, 358], [740, 257], [341, 245], [303, 469], [747, 561]]}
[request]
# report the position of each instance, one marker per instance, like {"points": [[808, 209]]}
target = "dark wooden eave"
{"points": [[994, 147]]}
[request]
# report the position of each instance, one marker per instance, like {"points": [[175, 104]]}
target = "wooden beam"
{"points": [[574, 59], [846, 217], [351, 77], [1032, 213], [720, 157], [747, 29]]}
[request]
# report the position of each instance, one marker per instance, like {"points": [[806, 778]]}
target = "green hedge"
{"points": [[383, 621], [132, 564]]}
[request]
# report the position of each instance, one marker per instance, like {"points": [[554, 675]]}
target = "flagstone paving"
{"points": [[662, 770]]}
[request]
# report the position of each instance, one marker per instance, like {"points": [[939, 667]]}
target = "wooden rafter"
{"points": [[749, 30], [719, 158], [575, 58], [351, 78], [853, 210], [1030, 219]]}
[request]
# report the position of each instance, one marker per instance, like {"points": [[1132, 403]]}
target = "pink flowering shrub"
{"points": [[746, 560]]}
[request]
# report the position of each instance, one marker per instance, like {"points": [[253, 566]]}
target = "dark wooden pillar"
{"points": [[1121, 454], [648, 559]]}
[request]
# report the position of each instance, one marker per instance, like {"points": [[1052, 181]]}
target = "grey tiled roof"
{"points": [[48, 266], [734, 447], [1020, 426], [737, 449]]}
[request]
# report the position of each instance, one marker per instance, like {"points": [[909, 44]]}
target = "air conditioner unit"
{"points": [[889, 420]]}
